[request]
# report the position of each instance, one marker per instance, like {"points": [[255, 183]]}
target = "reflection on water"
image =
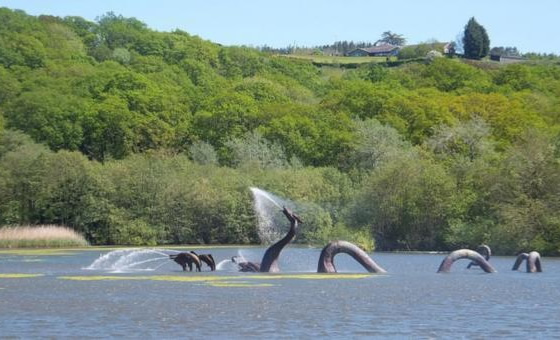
{"points": [[140, 293]]}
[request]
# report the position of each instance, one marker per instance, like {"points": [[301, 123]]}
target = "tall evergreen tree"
{"points": [[475, 41]]}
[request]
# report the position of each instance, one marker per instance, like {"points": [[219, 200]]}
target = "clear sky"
{"points": [[531, 26]]}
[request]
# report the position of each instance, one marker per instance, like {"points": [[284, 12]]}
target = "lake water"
{"points": [[145, 295]]}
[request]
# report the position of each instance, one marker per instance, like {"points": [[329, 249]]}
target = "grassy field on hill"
{"points": [[340, 60]]}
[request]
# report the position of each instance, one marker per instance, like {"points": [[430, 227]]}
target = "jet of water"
{"points": [[127, 260], [260, 194], [271, 223], [242, 256], [226, 265]]}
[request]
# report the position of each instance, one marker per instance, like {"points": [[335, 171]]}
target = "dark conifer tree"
{"points": [[476, 43]]}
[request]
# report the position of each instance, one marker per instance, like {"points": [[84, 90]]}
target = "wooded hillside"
{"points": [[134, 136]]}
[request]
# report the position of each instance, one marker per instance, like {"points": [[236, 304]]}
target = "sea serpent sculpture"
{"points": [[483, 250], [190, 258], [206, 258], [472, 255], [269, 262], [184, 259], [326, 264], [533, 262]]}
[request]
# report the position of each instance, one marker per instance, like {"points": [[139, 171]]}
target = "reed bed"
{"points": [[40, 236]]}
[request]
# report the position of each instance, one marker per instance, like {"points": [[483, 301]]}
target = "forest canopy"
{"points": [[133, 136]]}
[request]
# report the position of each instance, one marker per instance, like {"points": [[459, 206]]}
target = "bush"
{"points": [[133, 233], [407, 204]]}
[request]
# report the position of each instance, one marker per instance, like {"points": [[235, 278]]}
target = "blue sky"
{"points": [[531, 26]]}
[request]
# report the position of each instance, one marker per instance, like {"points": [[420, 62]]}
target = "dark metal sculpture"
{"points": [[184, 259], [483, 250], [328, 253], [269, 263], [533, 262], [246, 266], [206, 258], [472, 255]]}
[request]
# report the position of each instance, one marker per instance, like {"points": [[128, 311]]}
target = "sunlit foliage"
{"points": [[133, 136]]}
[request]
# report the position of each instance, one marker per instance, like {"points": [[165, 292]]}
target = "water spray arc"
{"points": [[130, 260], [267, 207]]}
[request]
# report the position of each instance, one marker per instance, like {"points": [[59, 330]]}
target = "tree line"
{"points": [[133, 136]]}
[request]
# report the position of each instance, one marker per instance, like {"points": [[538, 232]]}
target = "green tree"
{"points": [[420, 50], [467, 140], [121, 55], [389, 37], [407, 203], [107, 130], [22, 50], [9, 85], [49, 117], [525, 196], [374, 144], [510, 51], [255, 151], [22, 171], [203, 153], [68, 190], [476, 43], [451, 75], [376, 73]]}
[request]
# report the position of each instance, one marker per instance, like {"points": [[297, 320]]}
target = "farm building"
{"points": [[375, 51], [506, 59]]}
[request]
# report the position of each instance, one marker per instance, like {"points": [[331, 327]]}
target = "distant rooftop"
{"points": [[380, 48]]}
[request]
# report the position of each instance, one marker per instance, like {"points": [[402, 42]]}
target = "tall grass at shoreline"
{"points": [[41, 236]]}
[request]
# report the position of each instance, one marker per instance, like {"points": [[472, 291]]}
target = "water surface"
{"points": [[63, 295]]}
